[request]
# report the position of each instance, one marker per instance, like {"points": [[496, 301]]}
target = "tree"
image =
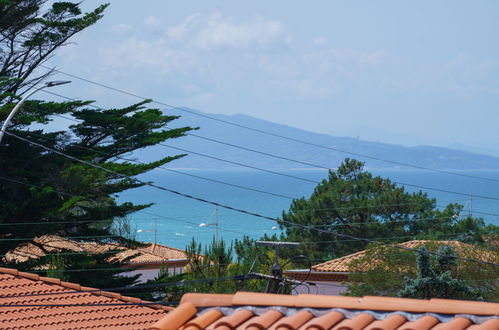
{"points": [[354, 202], [29, 37], [57, 195], [385, 270], [435, 280], [209, 270]]}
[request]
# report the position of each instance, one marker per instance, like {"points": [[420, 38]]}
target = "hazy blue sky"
{"points": [[419, 72]]}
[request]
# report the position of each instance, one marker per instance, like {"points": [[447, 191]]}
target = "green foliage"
{"points": [[56, 267], [31, 31], [385, 270], [57, 195], [435, 278], [99, 270], [207, 271], [380, 272], [354, 202]]}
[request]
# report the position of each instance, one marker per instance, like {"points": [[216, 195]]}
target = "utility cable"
{"points": [[326, 168], [138, 287], [270, 133], [185, 150], [75, 237], [180, 172], [24, 254], [140, 211], [279, 221], [303, 243]]}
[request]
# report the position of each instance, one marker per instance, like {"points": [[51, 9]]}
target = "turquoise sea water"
{"points": [[176, 219]]}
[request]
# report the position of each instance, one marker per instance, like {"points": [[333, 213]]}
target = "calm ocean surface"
{"points": [[177, 218]]}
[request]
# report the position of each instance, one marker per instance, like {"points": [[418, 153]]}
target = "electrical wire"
{"points": [[302, 243], [185, 150], [138, 251], [138, 287], [295, 211], [233, 208], [267, 132], [315, 165], [217, 181], [140, 211], [75, 237], [178, 172]]}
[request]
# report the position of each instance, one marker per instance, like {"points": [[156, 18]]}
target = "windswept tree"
{"points": [[352, 201], [41, 191]]}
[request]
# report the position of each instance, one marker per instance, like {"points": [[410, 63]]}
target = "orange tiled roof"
{"points": [[343, 264], [253, 311], [19, 288], [154, 253]]}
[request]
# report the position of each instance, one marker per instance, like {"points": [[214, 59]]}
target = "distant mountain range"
{"points": [[423, 156]]}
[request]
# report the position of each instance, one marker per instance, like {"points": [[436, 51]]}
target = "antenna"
{"points": [[275, 270], [155, 230]]}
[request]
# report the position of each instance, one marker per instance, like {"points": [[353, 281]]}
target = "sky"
{"points": [[402, 72]]}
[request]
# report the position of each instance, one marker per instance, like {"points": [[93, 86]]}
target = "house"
{"points": [[29, 301], [331, 277], [256, 311], [148, 260]]}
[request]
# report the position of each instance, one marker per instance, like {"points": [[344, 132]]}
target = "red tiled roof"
{"points": [[154, 253], [254, 311], [343, 264], [19, 288]]}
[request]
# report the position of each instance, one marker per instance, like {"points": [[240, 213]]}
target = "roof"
{"points": [[343, 264], [154, 253], [97, 309], [252, 311]]}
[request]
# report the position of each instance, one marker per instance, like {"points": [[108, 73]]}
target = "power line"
{"points": [[270, 133], [140, 211], [180, 172], [74, 237], [225, 183], [83, 305], [295, 211], [319, 166], [185, 150], [233, 208], [240, 164], [27, 254], [408, 220], [138, 287]]}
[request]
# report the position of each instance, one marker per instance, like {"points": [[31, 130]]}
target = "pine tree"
{"points": [[52, 193], [435, 278], [352, 201]]}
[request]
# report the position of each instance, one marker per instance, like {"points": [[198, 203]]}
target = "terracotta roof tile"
{"points": [[458, 323], [358, 322], [342, 265], [492, 324], [204, 320], [325, 321], [20, 288], [392, 322], [257, 311], [233, 320], [153, 253], [263, 321], [423, 323], [293, 321]]}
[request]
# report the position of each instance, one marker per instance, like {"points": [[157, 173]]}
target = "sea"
{"points": [[174, 219]]}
